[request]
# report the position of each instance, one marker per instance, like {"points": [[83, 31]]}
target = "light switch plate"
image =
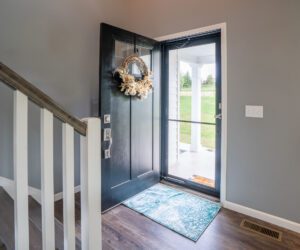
{"points": [[254, 111]]}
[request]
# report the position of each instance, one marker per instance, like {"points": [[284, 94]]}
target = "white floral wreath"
{"points": [[131, 86]]}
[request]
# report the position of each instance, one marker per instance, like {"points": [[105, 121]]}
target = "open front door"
{"points": [[130, 125]]}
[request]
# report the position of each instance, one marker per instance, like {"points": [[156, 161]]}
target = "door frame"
{"points": [[222, 27]]}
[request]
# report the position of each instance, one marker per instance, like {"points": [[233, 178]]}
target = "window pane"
{"points": [[191, 152], [192, 88], [122, 50]]}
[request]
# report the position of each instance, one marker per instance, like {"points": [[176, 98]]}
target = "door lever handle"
{"points": [[107, 137], [218, 116], [107, 152], [110, 143]]}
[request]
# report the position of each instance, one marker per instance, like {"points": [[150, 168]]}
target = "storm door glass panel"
{"points": [[186, 161], [192, 113], [192, 83]]}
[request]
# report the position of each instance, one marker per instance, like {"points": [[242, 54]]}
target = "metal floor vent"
{"points": [[262, 230]]}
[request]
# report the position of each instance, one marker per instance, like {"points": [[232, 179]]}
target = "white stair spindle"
{"points": [[90, 170], [48, 229], [21, 171], [68, 187]]}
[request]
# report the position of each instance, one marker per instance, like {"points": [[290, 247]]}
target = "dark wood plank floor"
{"points": [[124, 229]]}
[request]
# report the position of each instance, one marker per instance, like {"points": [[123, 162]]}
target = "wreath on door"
{"points": [[129, 84]]}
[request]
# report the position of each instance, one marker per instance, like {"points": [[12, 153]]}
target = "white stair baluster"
{"points": [[68, 187], [48, 229], [21, 171]]}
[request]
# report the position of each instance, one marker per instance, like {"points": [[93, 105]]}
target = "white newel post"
{"points": [[90, 167], [21, 171]]}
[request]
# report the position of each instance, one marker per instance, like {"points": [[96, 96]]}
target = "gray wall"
{"points": [[55, 45], [263, 168]]}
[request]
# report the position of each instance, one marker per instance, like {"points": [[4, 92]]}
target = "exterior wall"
{"points": [[263, 167]]}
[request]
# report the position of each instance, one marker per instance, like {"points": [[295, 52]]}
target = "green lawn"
{"points": [[207, 115]]}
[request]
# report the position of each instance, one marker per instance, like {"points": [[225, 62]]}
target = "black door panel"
{"points": [[134, 162]]}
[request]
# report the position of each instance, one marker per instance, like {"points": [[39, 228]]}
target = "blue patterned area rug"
{"points": [[184, 213]]}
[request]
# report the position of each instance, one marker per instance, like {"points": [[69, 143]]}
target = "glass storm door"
{"points": [[191, 112]]}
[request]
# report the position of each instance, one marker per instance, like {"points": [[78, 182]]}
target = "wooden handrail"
{"points": [[15, 81]]}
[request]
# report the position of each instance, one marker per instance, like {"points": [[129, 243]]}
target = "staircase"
{"points": [[35, 223], [24, 223]]}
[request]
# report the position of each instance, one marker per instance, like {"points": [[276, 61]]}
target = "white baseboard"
{"points": [[8, 186], [278, 221]]}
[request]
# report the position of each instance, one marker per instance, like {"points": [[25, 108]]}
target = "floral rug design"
{"points": [[184, 213]]}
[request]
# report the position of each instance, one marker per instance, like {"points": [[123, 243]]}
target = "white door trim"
{"points": [[222, 27]]}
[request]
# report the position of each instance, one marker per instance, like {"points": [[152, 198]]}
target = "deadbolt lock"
{"points": [[106, 119]]}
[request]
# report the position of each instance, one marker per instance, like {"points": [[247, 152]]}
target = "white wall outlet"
{"points": [[254, 111]]}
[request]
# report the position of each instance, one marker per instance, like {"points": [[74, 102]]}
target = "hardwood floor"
{"points": [[124, 229]]}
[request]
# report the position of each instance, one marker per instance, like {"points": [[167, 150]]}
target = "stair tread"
{"points": [[35, 215], [59, 214], [7, 224]]}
